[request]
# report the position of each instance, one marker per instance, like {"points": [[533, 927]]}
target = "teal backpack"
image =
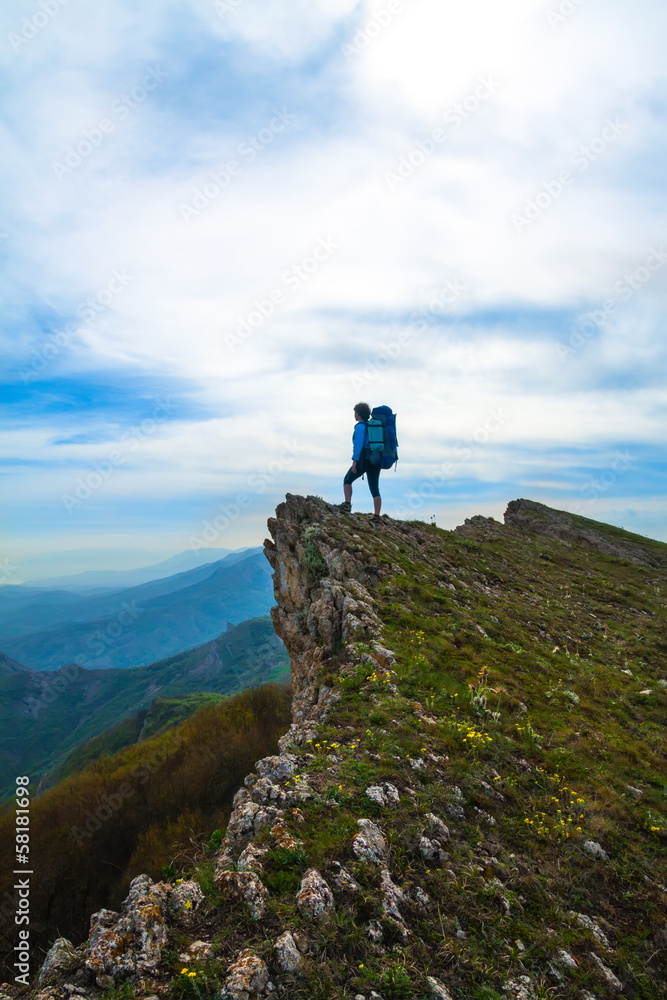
{"points": [[381, 441]]}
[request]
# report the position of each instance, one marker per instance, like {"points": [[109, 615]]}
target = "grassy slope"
{"points": [[541, 667]]}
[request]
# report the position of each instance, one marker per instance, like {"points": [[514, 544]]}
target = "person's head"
{"points": [[362, 411]]}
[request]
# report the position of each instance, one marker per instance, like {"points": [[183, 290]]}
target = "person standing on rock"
{"points": [[360, 465]]}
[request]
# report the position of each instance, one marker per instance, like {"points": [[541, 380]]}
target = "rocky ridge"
{"points": [[332, 626]]}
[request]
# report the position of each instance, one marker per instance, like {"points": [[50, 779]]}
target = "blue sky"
{"points": [[224, 223]]}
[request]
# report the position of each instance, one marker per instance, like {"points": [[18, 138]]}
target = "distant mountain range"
{"points": [[117, 578], [44, 715], [47, 628]]}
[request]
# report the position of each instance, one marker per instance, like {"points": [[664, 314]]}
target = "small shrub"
{"points": [[313, 561], [214, 842]]}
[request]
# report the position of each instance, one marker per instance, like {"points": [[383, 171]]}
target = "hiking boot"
{"points": [[374, 518], [346, 507]]}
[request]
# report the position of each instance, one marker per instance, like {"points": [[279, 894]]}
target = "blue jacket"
{"points": [[359, 438]]}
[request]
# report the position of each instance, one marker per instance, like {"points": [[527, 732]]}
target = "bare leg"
{"points": [[377, 504], [347, 491]]}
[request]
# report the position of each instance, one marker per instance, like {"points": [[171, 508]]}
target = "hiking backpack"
{"points": [[382, 443]]}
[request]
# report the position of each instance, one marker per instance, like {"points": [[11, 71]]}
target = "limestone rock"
{"points": [[288, 955], [277, 769], [595, 851], [485, 817], [520, 988], [431, 851], [250, 859], [392, 897], [130, 943], [564, 959], [441, 829], [183, 901], [374, 931], [341, 878], [197, 951], [247, 977], [284, 838], [613, 983], [369, 844], [59, 956], [592, 925], [314, 898], [419, 898], [385, 794], [247, 887], [437, 989]]}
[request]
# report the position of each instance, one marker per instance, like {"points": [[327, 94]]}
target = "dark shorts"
{"points": [[371, 471]]}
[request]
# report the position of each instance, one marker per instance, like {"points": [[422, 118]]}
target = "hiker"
{"points": [[360, 464]]}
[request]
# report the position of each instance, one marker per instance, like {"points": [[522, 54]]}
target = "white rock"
{"points": [[594, 850], [342, 880], [438, 989], [288, 955], [183, 902], [374, 931], [314, 898], [369, 844], [592, 925], [431, 851], [485, 817], [250, 859], [58, 956], [130, 943], [441, 829], [385, 794], [392, 897], [197, 951], [612, 982], [247, 977], [244, 886], [565, 959], [277, 769]]}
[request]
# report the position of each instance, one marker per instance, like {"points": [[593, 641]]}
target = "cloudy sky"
{"points": [[224, 223]]}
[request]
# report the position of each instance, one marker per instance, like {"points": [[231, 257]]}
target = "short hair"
{"points": [[363, 410]]}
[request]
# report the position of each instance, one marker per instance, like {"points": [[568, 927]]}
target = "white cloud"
{"points": [[325, 176]]}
